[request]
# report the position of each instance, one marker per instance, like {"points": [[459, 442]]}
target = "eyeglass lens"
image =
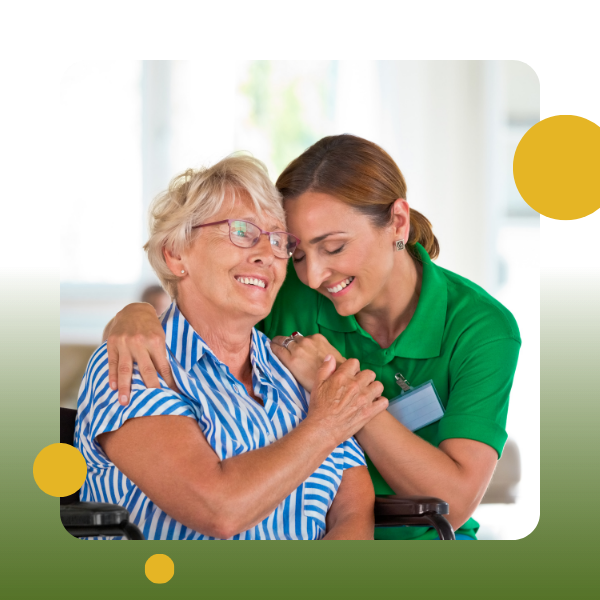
{"points": [[246, 235]]}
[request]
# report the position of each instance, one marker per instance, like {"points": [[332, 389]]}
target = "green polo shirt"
{"points": [[460, 337]]}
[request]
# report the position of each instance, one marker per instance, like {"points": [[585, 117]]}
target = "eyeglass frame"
{"points": [[262, 232]]}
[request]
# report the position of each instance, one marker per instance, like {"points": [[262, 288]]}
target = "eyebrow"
{"points": [[320, 238]]}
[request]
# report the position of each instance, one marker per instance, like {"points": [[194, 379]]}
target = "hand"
{"points": [[136, 335], [304, 356], [344, 400]]}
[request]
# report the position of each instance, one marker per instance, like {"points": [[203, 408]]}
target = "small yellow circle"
{"points": [[59, 470], [557, 167], [159, 568]]}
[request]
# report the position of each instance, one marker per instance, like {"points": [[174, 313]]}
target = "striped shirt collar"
{"points": [[187, 347]]}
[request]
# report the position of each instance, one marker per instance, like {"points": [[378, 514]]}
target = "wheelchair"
{"points": [[91, 519]]}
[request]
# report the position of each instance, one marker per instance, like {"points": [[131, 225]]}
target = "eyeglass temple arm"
{"points": [[215, 223]]}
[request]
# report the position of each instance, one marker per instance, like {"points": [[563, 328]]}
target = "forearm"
{"points": [[412, 466], [251, 485], [351, 515], [170, 460], [355, 526]]}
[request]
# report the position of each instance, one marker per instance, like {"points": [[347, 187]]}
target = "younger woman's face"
{"points": [[342, 254]]}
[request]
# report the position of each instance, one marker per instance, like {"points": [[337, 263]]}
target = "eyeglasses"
{"points": [[246, 235]]}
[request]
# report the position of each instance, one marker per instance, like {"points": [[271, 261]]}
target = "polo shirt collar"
{"points": [[423, 336]]}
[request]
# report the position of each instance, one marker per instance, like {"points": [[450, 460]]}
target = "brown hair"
{"points": [[361, 174]]}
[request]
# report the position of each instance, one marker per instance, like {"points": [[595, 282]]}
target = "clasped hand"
{"points": [[342, 396], [304, 356]]}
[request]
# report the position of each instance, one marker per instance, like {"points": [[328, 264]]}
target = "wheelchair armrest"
{"points": [[411, 505], [91, 519], [395, 511]]}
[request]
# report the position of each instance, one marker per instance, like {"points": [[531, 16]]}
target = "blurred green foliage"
{"points": [[279, 105]]}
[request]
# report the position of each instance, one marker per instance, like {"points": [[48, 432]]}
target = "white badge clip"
{"points": [[416, 407]]}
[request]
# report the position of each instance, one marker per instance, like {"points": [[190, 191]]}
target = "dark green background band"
{"points": [[558, 560]]}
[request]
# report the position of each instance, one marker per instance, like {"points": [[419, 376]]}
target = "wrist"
{"points": [[370, 428], [319, 434]]}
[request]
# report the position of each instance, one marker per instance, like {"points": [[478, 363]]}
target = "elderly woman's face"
{"points": [[239, 282]]}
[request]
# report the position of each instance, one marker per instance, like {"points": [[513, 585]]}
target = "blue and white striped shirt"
{"points": [[230, 419]]}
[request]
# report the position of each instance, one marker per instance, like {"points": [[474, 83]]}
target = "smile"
{"points": [[340, 286], [252, 281]]}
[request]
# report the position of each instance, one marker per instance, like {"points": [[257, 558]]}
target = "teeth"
{"points": [[340, 286], [251, 281]]}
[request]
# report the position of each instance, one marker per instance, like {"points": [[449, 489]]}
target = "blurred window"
{"points": [[273, 109], [101, 232], [129, 126], [522, 101], [283, 107]]}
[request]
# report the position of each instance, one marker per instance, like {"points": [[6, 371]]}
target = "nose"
{"points": [[262, 253], [315, 272]]}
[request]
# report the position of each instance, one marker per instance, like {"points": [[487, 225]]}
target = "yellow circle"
{"points": [[59, 470], [557, 167], [159, 568]]}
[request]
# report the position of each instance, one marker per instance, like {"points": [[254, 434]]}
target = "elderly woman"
{"points": [[238, 452]]}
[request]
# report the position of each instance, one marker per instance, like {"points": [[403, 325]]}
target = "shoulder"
{"points": [[472, 309], [95, 378], [100, 412], [96, 393], [278, 374], [273, 367]]}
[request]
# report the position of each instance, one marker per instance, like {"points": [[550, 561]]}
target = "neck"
{"points": [[390, 313], [229, 338]]}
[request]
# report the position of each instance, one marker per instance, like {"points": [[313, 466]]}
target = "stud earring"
{"points": [[182, 272], [399, 245]]}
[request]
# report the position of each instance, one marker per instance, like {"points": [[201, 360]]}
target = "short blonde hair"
{"points": [[195, 196]]}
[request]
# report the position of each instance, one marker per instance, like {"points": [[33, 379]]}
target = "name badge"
{"points": [[418, 407]]}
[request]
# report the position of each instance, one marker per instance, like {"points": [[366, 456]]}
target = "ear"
{"points": [[401, 219], [174, 262]]}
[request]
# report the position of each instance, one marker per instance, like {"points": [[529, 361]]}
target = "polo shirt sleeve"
{"points": [[480, 381], [353, 454], [100, 407]]}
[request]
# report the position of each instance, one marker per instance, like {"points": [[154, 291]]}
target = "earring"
{"points": [[399, 245], [182, 272]]}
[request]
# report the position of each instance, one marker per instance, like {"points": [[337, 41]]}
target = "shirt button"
{"points": [[236, 389], [271, 438]]}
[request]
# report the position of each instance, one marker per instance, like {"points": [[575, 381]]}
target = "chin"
{"points": [[259, 312], [345, 309]]}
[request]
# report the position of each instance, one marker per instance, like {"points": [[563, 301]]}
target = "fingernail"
{"points": [[113, 385], [328, 358], [123, 399]]}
